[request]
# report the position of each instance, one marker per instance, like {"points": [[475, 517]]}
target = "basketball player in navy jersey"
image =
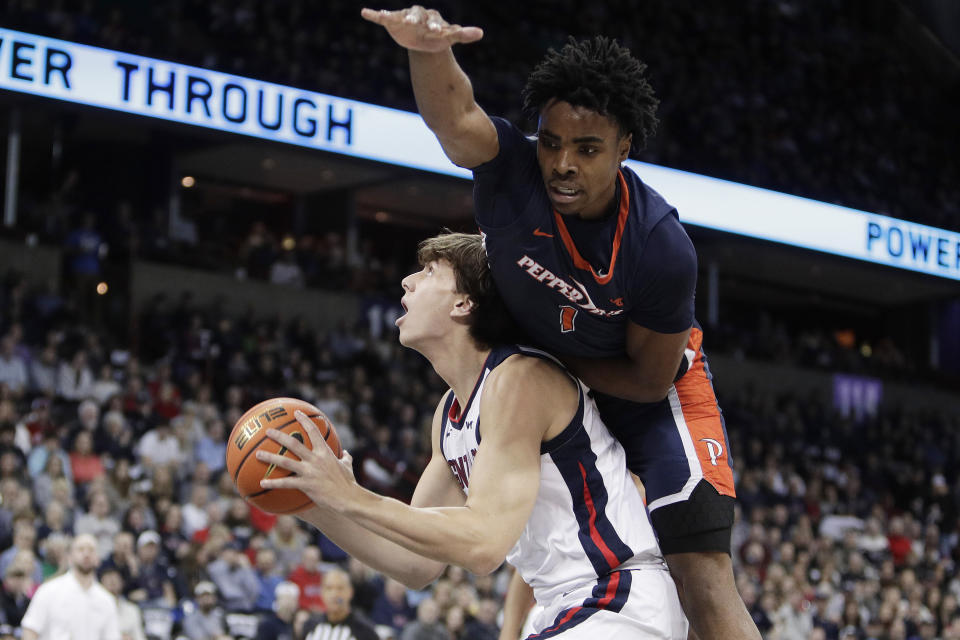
{"points": [[522, 469], [598, 270]]}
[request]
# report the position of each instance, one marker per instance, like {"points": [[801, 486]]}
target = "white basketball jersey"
{"points": [[589, 517]]}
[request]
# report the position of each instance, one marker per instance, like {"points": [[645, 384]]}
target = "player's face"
{"points": [[579, 151], [430, 297]]}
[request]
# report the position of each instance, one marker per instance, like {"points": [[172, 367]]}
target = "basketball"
{"points": [[250, 435]]}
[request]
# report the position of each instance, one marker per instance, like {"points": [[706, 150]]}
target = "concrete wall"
{"points": [[40, 264], [771, 377], [321, 309]]}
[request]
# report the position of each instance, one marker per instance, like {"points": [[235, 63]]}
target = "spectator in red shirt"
{"points": [[86, 465], [899, 542], [167, 401], [309, 578]]}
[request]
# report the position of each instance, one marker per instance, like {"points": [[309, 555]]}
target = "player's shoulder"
{"points": [[505, 128], [442, 407], [645, 201], [530, 373], [512, 139], [656, 233]]}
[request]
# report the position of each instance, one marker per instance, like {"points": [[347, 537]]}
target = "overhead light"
{"points": [[187, 181], [102, 288], [288, 243], [381, 216]]}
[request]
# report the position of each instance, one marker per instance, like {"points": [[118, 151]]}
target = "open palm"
{"points": [[420, 29]]}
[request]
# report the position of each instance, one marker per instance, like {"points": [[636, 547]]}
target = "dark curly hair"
{"points": [[600, 75]]}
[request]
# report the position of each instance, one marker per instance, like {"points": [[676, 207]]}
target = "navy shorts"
{"points": [[678, 448]]}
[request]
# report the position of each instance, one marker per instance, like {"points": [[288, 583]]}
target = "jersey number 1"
{"points": [[567, 315]]}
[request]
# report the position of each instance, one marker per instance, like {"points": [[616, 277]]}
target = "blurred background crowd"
{"points": [[115, 423], [815, 99], [848, 526]]}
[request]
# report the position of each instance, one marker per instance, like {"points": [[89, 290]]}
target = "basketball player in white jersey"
{"points": [[522, 469]]}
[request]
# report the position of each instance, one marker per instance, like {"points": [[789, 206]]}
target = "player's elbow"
{"points": [[422, 575], [484, 559], [420, 580]]}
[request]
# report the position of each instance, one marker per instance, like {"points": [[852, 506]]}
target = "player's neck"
{"points": [[459, 362], [608, 211]]}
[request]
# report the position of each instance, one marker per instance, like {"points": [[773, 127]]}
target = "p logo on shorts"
{"points": [[714, 449]]}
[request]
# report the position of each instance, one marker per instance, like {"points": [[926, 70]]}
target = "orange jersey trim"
{"points": [[578, 260], [702, 415]]}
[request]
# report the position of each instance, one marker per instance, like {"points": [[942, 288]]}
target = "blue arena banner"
{"points": [[144, 86], [809, 224], [180, 93]]}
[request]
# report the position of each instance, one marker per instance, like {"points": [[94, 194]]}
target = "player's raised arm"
{"points": [[443, 91]]}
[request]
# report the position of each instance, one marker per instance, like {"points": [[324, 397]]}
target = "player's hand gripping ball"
{"points": [[249, 435]]}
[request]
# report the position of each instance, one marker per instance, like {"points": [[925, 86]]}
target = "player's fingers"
{"points": [[414, 15], [311, 428], [375, 16], [435, 22], [292, 444], [287, 482], [280, 461], [347, 458], [466, 35]]}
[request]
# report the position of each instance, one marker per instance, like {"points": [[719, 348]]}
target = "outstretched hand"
{"points": [[318, 473], [420, 29]]}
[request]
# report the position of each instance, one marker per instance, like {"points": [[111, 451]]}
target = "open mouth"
{"points": [[564, 193]]}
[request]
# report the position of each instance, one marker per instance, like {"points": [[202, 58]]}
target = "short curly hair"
{"points": [[600, 75]]}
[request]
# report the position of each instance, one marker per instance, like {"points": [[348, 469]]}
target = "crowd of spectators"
{"points": [[131, 448], [848, 528], [806, 98], [321, 261], [848, 525]]}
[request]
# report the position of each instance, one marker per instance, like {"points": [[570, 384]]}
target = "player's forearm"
{"points": [[622, 377], [516, 606], [387, 557], [443, 91], [452, 535]]}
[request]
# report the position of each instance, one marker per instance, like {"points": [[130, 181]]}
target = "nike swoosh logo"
{"points": [[537, 232], [296, 436]]}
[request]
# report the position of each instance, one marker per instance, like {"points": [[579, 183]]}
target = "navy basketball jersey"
{"points": [[573, 284], [589, 518]]}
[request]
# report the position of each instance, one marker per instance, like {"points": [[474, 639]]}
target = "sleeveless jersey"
{"points": [[572, 284], [588, 519]]}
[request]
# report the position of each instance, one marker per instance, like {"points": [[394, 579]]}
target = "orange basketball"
{"points": [[250, 435]]}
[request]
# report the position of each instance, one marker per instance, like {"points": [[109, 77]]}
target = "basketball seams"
{"points": [[236, 475], [261, 414]]}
